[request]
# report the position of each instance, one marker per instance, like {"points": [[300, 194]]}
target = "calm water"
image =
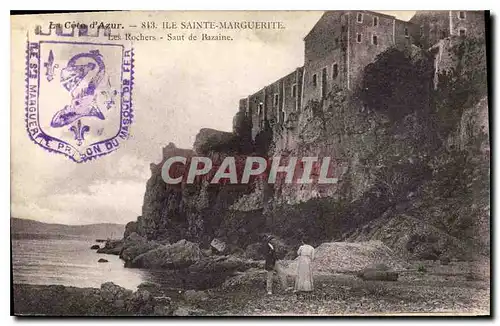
{"points": [[71, 262]]}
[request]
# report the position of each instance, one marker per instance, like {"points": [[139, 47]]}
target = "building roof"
{"points": [[327, 13]]}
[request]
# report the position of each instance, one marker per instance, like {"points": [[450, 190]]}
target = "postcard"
{"points": [[250, 163]]}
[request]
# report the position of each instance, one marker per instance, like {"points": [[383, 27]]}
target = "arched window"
{"points": [[335, 70], [360, 17]]}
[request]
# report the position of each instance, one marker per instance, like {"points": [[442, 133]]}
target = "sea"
{"points": [[71, 262]]}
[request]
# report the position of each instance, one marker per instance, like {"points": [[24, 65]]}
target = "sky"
{"points": [[180, 87]]}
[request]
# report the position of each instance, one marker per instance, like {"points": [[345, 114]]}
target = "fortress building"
{"points": [[337, 49], [437, 25]]}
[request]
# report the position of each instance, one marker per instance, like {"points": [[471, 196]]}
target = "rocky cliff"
{"points": [[410, 149]]}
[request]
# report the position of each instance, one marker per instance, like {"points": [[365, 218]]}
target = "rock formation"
{"points": [[109, 300], [410, 148]]}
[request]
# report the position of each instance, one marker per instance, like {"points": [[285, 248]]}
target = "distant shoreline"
{"points": [[49, 236], [31, 229]]}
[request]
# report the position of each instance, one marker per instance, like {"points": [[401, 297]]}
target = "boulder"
{"points": [[378, 272], [188, 311], [163, 306], [223, 265], [193, 296], [427, 251], [133, 238], [152, 287], [111, 247], [234, 250], [178, 255], [114, 295], [102, 260], [135, 245], [377, 267], [130, 228], [376, 275], [252, 278], [96, 246], [141, 302], [334, 257], [218, 245]]}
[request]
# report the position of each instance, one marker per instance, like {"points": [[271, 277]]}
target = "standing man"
{"points": [[272, 266]]}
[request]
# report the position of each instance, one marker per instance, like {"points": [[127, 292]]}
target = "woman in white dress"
{"points": [[304, 279]]}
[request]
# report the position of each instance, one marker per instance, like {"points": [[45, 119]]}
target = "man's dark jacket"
{"points": [[270, 255]]}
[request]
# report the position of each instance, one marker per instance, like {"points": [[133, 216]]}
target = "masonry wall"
{"points": [[325, 46], [254, 102], [405, 33], [435, 25], [274, 102], [432, 27], [335, 56], [290, 102], [271, 90], [243, 105], [364, 52], [472, 23]]}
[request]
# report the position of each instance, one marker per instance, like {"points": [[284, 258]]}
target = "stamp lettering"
{"points": [[99, 89]]}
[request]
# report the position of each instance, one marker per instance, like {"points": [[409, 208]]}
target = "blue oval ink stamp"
{"points": [[78, 93]]}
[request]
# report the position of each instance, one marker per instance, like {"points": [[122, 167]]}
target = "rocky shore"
{"points": [[432, 288], [350, 278], [109, 300]]}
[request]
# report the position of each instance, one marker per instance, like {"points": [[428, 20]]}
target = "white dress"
{"points": [[304, 279]]}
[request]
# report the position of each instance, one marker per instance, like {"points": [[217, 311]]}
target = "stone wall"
{"points": [[435, 25], [389, 32], [325, 46], [472, 22]]}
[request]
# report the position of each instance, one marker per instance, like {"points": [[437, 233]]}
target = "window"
{"points": [[462, 31], [461, 14], [360, 17], [374, 40], [406, 32], [279, 113], [336, 41], [315, 80], [276, 99], [324, 78], [375, 21], [294, 90], [260, 110], [422, 30], [335, 70], [358, 38]]}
